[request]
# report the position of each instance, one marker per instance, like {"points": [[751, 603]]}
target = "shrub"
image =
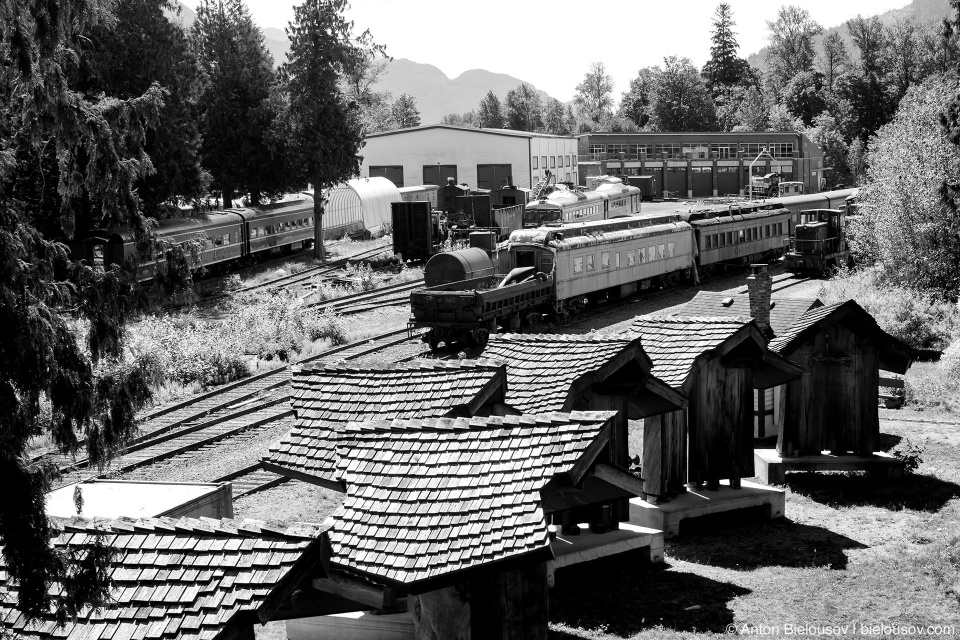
{"points": [[279, 326], [916, 318]]}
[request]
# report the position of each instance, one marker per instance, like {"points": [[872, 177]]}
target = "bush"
{"points": [[279, 326], [916, 318]]}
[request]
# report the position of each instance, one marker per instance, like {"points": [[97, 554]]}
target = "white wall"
{"points": [[562, 149], [464, 148]]}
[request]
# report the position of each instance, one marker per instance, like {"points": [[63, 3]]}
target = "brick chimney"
{"points": [[758, 288]]}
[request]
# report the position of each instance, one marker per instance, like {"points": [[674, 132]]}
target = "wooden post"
{"points": [[318, 203], [511, 604], [442, 614]]}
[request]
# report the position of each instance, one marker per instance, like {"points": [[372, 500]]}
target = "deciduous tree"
{"points": [[791, 43], [524, 109], [405, 113], [679, 100], [635, 103], [833, 58], [594, 96], [555, 121]]}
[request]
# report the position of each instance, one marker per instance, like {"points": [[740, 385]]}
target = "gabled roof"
{"points": [[674, 343], [502, 132], [784, 312], [895, 355], [326, 397], [430, 498], [181, 579], [546, 371]]}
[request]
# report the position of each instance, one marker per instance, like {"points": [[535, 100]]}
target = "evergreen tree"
{"points": [[490, 112], [325, 127], [68, 381], [594, 96], [236, 107], [405, 113], [524, 109], [124, 59], [725, 68]]}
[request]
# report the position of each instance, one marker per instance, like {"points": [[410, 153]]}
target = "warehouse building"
{"points": [[480, 158], [700, 165]]}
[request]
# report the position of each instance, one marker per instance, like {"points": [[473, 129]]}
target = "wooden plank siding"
{"points": [[834, 404]]}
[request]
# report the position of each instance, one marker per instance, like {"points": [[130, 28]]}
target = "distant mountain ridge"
{"points": [[921, 10]]}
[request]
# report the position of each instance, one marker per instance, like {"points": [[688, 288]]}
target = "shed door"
{"points": [[701, 179], [675, 181], [438, 173], [493, 176]]}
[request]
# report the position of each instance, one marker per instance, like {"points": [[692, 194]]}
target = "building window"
{"points": [[596, 149], [553, 162], [781, 149], [568, 161], [438, 173], [534, 164], [392, 173], [543, 161], [574, 160]]}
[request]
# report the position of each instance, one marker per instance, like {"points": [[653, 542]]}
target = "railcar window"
{"points": [[590, 265], [651, 254], [740, 236], [779, 228], [729, 238], [631, 259], [706, 242], [670, 247], [660, 251], [578, 265], [605, 260], [616, 260]]}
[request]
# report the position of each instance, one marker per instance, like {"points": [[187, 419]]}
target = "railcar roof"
{"points": [[738, 217], [622, 235]]}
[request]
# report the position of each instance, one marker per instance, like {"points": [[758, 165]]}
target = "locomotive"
{"points": [[559, 270], [819, 242]]}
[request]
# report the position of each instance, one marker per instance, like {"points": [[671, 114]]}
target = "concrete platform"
{"points": [[772, 469], [667, 516], [353, 626], [570, 550]]}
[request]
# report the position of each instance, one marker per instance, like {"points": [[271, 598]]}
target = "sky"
{"points": [[552, 43]]}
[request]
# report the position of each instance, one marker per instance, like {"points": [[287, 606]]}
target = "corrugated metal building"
{"points": [[481, 158], [358, 204], [702, 164]]}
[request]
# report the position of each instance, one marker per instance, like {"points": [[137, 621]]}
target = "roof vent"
{"points": [[727, 302]]}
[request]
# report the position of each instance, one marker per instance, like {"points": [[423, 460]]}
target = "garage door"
{"points": [[657, 173], [728, 181], [676, 181], [493, 176], [438, 173], [393, 174], [701, 179]]}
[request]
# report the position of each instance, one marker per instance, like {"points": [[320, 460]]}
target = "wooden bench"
{"points": [[891, 400]]}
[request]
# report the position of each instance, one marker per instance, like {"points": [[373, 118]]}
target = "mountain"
{"points": [[437, 95], [920, 10]]}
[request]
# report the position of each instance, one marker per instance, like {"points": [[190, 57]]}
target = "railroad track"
{"points": [[312, 272], [243, 410], [780, 282], [381, 296]]}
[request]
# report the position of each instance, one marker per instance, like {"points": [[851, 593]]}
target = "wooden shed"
{"points": [[833, 405], [453, 513], [716, 362], [328, 396], [777, 312]]}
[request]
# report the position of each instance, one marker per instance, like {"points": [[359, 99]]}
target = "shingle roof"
{"points": [[785, 311], [673, 343], [542, 368], [325, 396], [783, 340], [183, 578], [427, 498]]}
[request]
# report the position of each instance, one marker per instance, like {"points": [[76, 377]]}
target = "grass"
{"points": [[852, 548]]}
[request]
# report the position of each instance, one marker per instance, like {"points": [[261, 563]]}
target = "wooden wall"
{"points": [[665, 453], [721, 423], [833, 406]]}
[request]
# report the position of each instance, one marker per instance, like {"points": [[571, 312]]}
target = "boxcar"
{"points": [[417, 233]]}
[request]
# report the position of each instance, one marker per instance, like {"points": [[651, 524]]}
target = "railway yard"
{"points": [[848, 543]]}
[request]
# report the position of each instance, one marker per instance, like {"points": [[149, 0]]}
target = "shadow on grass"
{"points": [[746, 540], [888, 441], [623, 595], [911, 491]]}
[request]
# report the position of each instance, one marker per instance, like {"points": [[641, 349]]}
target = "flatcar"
{"points": [[224, 236]]}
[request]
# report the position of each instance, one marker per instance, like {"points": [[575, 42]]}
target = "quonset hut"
{"points": [[357, 205]]}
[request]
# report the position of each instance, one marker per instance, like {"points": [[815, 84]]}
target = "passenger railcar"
{"points": [[420, 193], [740, 239], [224, 236]]}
